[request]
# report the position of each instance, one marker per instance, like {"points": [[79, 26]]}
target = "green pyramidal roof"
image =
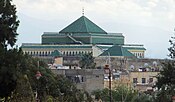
{"points": [[56, 53], [117, 51], [83, 25]]}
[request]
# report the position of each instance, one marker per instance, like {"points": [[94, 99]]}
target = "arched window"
{"points": [[78, 52], [42, 53], [64, 53], [46, 53], [140, 55], [90, 52], [67, 53]]}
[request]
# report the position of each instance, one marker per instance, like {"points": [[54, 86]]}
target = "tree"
{"points": [[143, 98], [9, 58], [66, 89], [166, 78], [87, 61], [8, 71], [119, 94], [23, 91], [8, 23], [172, 48], [166, 82], [14, 65]]}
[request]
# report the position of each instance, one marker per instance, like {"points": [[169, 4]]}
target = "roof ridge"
{"points": [[85, 23], [86, 27], [121, 48]]}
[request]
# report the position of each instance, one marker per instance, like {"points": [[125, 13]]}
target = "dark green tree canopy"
{"points": [[8, 23], [166, 78], [119, 94], [166, 82], [9, 67]]}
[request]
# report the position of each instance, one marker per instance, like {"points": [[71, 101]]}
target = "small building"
{"points": [[143, 80], [85, 79], [118, 79]]}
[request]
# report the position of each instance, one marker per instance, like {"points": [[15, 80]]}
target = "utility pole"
{"points": [[107, 70]]}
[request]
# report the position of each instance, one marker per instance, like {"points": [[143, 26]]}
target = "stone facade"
{"points": [[89, 79], [139, 74], [143, 81], [138, 80]]}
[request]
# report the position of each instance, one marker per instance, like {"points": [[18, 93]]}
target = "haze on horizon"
{"points": [[147, 22]]}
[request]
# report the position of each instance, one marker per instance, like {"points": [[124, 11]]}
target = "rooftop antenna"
{"points": [[83, 11]]}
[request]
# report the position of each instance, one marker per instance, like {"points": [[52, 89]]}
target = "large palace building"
{"points": [[82, 37]]}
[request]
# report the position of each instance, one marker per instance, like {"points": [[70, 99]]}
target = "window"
{"points": [[150, 80], [77, 79], [134, 80], [63, 53], [143, 80], [82, 79]]}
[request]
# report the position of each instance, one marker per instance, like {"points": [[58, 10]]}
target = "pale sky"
{"points": [[147, 22]]}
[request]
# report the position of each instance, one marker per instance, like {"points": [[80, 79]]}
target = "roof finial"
{"points": [[83, 11]]}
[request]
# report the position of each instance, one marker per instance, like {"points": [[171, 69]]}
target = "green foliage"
{"points": [[166, 82], [8, 23], [166, 78], [66, 90], [102, 94], [12, 70], [17, 71], [49, 99], [163, 95], [119, 94], [87, 61], [23, 91], [142, 98], [9, 62], [9, 67], [172, 48]]}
